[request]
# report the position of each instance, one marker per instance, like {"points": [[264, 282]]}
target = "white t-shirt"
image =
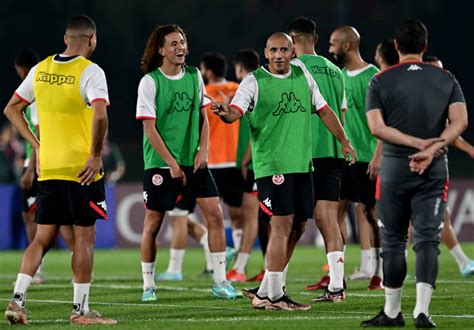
{"points": [[247, 94], [93, 84], [146, 101]]}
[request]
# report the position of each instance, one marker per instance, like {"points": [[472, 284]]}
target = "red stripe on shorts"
{"points": [[98, 210], [445, 191], [265, 209], [377, 188]]}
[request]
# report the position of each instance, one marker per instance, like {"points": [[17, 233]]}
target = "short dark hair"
{"points": [[81, 23], [248, 58], [215, 62], [303, 25], [388, 52], [430, 58], [26, 58], [411, 37]]}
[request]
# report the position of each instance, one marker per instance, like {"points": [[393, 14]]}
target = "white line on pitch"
{"points": [[459, 316]]}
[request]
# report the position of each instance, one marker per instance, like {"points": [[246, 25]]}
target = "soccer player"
{"points": [[386, 55], [175, 149], [328, 160], [71, 96], [412, 186], [245, 62], [358, 181], [279, 99], [24, 61], [223, 143]]}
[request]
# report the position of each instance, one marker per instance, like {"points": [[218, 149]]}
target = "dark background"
{"points": [[221, 26]]}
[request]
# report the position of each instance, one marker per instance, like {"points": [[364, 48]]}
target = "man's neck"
{"points": [[171, 69], [215, 80], [410, 57], [304, 49], [74, 51], [354, 61]]}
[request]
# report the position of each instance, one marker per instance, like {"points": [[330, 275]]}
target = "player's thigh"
{"points": [[327, 178], [160, 190], [428, 209], [87, 203], [393, 209]]}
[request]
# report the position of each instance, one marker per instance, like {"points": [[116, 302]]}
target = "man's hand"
{"points": [[347, 150], [423, 144], [420, 161], [26, 180], [200, 161], [374, 167], [91, 169], [177, 173]]}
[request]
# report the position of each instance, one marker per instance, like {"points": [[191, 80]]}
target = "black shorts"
{"points": [[63, 202], [185, 204], [249, 184], [287, 194], [356, 185], [327, 178], [229, 184], [29, 196], [161, 191]]}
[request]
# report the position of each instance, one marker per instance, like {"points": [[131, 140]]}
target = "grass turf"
{"points": [[117, 287]]}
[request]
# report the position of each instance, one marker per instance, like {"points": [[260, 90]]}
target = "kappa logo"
{"points": [[181, 102], [103, 205], [53, 78], [157, 180], [316, 69], [289, 103], [30, 201], [268, 203], [278, 179], [145, 196], [340, 260], [414, 67]]}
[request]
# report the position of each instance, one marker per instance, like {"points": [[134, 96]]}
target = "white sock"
{"points": [[22, 283], [377, 261], [424, 292], [241, 262], [40, 270], [459, 256], [148, 273], [336, 270], [218, 265], [285, 272], [263, 288], [366, 261], [393, 302], [81, 298], [275, 287], [237, 238], [207, 253], [175, 265]]}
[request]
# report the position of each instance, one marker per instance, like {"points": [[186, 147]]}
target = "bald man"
{"points": [[358, 181], [280, 98]]}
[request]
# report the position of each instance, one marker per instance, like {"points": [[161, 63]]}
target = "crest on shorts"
{"points": [[157, 180], [278, 179]]}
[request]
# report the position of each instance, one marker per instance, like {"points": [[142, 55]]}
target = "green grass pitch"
{"points": [[117, 287]]}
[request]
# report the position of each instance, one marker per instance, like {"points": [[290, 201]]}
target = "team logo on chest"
{"points": [[278, 179], [289, 103], [181, 102], [157, 180]]}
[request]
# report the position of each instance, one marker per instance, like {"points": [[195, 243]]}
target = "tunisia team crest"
{"points": [[157, 180], [278, 179]]}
